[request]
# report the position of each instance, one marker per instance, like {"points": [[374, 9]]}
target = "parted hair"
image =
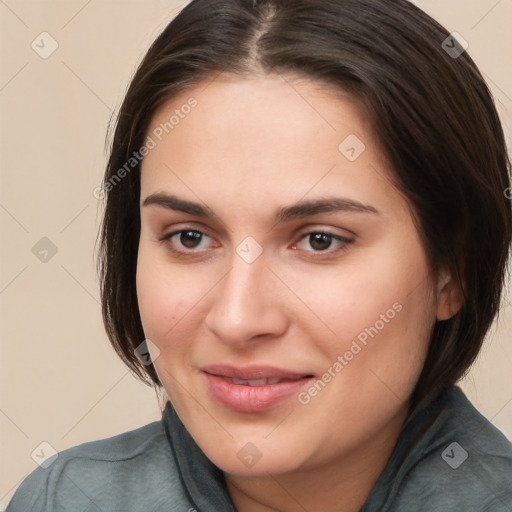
{"points": [[430, 109]]}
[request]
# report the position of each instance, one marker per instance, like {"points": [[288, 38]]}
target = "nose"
{"points": [[246, 306]]}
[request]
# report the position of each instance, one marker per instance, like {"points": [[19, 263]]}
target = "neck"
{"points": [[342, 484]]}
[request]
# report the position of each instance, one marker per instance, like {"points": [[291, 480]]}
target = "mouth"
{"points": [[253, 389], [254, 382]]}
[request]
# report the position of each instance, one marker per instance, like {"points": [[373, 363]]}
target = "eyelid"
{"points": [[319, 228], [342, 240], [345, 234], [167, 236], [180, 227], [310, 230]]}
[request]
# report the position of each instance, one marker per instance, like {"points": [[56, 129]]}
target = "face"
{"points": [[280, 278]]}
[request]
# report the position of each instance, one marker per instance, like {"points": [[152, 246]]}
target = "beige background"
{"points": [[61, 383]]}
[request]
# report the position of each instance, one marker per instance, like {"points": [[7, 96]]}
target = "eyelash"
{"points": [[315, 254]]}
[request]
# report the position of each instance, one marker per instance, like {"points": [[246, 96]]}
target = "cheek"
{"points": [[171, 299], [373, 362], [352, 300], [379, 313], [162, 298]]}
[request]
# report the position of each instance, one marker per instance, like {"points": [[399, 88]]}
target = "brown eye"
{"points": [[190, 239], [185, 241], [320, 241]]}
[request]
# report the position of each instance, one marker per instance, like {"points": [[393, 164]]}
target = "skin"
{"points": [[251, 146]]}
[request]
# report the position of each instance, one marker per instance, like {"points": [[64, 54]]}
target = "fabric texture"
{"points": [[448, 458]]}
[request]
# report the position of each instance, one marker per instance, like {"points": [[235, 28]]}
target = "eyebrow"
{"points": [[295, 211]]}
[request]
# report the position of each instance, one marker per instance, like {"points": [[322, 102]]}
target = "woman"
{"points": [[304, 244]]}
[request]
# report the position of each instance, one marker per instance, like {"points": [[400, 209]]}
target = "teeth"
{"points": [[253, 382]]}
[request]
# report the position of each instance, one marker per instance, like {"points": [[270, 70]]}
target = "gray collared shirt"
{"points": [[448, 458]]}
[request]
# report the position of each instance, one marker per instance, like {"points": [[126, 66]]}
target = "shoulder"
{"points": [[103, 473], [461, 462]]}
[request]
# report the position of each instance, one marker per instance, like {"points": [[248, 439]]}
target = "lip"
{"points": [[250, 399]]}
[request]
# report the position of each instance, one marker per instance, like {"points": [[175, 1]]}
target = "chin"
{"points": [[255, 458]]}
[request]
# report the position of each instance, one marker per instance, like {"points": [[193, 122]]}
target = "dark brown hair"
{"points": [[431, 111]]}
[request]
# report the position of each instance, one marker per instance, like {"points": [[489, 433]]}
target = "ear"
{"points": [[450, 296]]}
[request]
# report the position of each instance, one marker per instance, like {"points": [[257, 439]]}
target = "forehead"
{"points": [[262, 137], [232, 103]]}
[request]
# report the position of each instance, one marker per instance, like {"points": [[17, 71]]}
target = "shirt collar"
{"points": [[203, 481]]}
